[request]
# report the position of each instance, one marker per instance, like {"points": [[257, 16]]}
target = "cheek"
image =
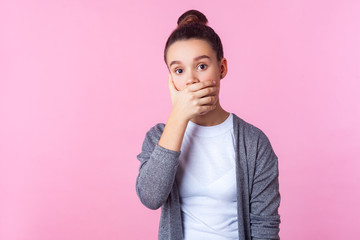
{"points": [[179, 84], [210, 75]]}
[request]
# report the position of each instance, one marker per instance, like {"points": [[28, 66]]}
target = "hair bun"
{"points": [[192, 16]]}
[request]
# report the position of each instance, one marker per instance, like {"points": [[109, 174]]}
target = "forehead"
{"points": [[187, 50]]}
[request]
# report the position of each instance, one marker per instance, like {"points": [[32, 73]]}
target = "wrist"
{"points": [[173, 133], [178, 118]]}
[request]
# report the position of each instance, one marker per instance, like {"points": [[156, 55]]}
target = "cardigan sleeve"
{"points": [[157, 170], [265, 195]]}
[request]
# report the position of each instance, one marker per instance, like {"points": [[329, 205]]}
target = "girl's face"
{"points": [[193, 60]]}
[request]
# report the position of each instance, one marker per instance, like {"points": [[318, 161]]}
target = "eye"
{"points": [[202, 66], [178, 71]]}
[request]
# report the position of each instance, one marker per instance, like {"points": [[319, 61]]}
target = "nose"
{"points": [[192, 78]]}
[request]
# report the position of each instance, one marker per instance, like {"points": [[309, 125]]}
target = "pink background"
{"points": [[82, 81]]}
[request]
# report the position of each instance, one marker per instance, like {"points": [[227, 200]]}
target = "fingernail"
{"points": [[214, 82]]}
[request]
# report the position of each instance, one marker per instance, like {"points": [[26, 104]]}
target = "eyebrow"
{"points": [[195, 59]]}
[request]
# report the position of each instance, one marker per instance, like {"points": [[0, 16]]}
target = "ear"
{"points": [[223, 68]]}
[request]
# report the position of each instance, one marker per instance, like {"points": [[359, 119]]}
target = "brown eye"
{"points": [[202, 66], [178, 71]]}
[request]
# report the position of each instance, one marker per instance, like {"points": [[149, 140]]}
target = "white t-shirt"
{"points": [[207, 182]]}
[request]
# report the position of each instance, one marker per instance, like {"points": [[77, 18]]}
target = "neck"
{"points": [[212, 118]]}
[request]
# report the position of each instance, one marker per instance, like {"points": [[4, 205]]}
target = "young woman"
{"points": [[214, 175]]}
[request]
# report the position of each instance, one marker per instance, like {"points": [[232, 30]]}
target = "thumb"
{"points": [[171, 84]]}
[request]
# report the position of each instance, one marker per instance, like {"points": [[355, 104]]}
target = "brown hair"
{"points": [[193, 24]]}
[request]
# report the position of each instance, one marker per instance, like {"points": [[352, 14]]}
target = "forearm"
{"points": [[174, 131]]}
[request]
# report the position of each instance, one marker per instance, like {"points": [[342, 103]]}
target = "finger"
{"points": [[210, 100], [209, 91], [200, 85]]}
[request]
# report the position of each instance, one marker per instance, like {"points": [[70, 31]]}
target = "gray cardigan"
{"points": [[258, 196]]}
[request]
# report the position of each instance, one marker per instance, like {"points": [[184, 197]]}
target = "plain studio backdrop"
{"points": [[81, 82]]}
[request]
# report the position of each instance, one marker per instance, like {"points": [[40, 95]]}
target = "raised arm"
{"points": [[160, 153]]}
